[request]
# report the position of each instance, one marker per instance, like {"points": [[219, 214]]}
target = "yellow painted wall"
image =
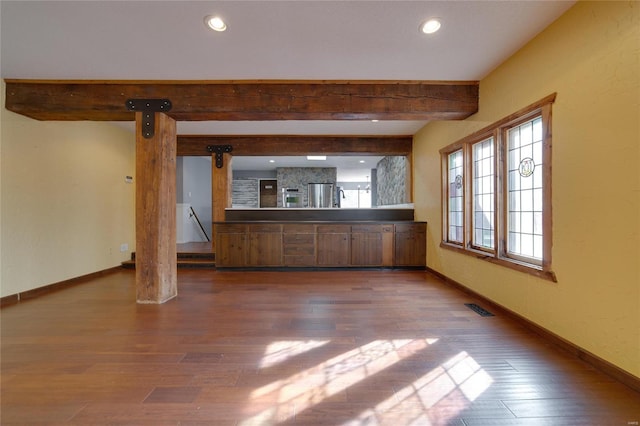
{"points": [[590, 57], [65, 206]]}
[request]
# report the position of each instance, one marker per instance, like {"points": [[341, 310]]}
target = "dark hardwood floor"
{"points": [[283, 348]]}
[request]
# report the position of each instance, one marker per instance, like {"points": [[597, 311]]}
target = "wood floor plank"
{"points": [[23, 414], [290, 348], [173, 395], [568, 407]]}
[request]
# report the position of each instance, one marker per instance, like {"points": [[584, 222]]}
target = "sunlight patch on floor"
{"points": [[434, 399], [278, 352], [312, 386]]}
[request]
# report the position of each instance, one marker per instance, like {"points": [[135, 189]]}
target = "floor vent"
{"points": [[479, 310]]}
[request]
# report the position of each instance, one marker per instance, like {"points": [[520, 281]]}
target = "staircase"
{"points": [[185, 261]]}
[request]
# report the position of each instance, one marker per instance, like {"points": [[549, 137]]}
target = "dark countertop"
{"points": [[319, 215], [317, 222]]}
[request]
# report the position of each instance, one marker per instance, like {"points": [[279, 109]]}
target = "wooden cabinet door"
{"points": [[230, 249], [334, 245], [265, 245], [411, 245], [366, 245], [366, 249]]}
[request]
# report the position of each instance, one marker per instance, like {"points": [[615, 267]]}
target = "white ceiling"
{"points": [[309, 40], [283, 40]]}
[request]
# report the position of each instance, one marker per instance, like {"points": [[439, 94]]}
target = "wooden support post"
{"points": [[221, 190], [408, 180], [156, 257]]}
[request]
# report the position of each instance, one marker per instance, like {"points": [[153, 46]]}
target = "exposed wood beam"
{"points": [[246, 100], [298, 145]]}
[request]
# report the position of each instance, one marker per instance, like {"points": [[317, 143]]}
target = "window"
{"points": [[355, 198], [497, 192], [455, 200], [483, 215], [524, 191]]}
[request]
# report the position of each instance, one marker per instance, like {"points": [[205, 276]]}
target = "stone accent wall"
{"points": [[300, 177], [246, 193], [391, 185]]}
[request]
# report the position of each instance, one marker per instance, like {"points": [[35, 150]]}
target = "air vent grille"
{"points": [[478, 309]]}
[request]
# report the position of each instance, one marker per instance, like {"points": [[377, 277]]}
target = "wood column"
{"points": [[156, 257], [408, 180], [221, 190]]}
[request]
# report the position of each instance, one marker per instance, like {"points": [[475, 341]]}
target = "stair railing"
{"points": [[194, 216]]}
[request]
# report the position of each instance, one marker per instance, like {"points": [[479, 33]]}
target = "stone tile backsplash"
{"points": [[391, 176], [300, 177]]}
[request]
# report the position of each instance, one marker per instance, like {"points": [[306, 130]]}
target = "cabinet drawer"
{"points": [[299, 239], [299, 229], [299, 250], [334, 229], [366, 228], [370, 236], [265, 228], [231, 229], [299, 260], [410, 227]]}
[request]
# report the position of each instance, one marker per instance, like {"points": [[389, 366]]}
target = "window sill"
{"points": [[531, 270]]}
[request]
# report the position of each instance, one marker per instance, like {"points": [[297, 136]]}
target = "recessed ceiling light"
{"points": [[362, 161], [430, 26], [272, 161], [215, 23], [374, 121], [316, 157]]}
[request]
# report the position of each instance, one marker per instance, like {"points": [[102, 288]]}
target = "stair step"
{"points": [[187, 255], [183, 263], [208, 256], [196, 264]]}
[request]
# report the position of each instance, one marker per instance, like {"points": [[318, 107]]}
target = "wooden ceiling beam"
{"points": [[246, 100], [196, 145]]}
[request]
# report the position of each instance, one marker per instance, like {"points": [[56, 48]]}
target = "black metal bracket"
{"points": [[148, 107], [219, 150]]}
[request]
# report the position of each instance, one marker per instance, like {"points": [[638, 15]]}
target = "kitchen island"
{"points": [[320, 243]]}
